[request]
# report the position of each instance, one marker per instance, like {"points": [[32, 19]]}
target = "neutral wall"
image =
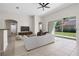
{"points": [[66, 12], [1, 23], [36, 24], [22, 19]]}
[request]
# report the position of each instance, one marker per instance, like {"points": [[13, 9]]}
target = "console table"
{"points": [[25, 33]]}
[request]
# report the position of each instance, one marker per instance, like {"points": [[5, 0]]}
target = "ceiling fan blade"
{"points": [[41, 4], [46, 4], [39, 7], [47, 7]]}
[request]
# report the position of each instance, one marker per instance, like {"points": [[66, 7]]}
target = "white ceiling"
{"points": [[28, 8]]}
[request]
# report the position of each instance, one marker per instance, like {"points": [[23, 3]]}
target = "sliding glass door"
{"points": [[64, 27], [51, 27]]}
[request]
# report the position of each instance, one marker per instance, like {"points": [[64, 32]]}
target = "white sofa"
{"points": [[37, 41]]}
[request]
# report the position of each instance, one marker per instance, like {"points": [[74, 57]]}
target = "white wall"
{"points": [[5, 40], [66, 12], [1, 23], [22, 19], [36, 24]]}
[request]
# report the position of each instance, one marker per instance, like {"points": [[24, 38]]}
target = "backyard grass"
{"points": [[66, 34]]}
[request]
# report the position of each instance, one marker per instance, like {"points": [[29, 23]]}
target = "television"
{"points": [[24, 28]]}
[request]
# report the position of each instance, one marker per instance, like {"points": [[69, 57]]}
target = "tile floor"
{"points": [[61, 47]]}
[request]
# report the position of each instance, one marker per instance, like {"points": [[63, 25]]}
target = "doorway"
{"points": [[65, 27], [11, 25]]}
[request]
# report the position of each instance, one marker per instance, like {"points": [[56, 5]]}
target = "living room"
{"points": [[34, 19]]}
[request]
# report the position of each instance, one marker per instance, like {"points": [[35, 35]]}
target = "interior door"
{"points": [[13, 28]]}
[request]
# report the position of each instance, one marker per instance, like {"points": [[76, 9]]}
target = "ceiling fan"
{"points": [[43, 5]]}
